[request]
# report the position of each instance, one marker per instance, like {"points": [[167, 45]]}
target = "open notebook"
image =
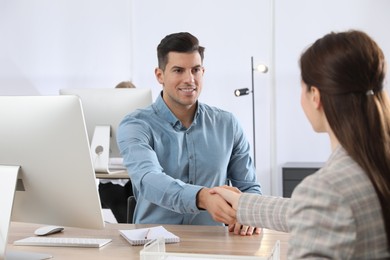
{"points": [[141, 236]]}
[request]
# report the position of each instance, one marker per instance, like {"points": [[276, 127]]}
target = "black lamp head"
{"points": [[241, 92]]}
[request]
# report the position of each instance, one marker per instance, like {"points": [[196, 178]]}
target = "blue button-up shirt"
{"points": [[168, 164]]}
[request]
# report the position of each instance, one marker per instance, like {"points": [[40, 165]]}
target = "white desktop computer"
{"points": [[47, 175]]}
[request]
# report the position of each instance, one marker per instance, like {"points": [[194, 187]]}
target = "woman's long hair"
{"points": [[349, 68]]}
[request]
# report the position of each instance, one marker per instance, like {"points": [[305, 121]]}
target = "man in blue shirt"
{"points": [[178, 148]]}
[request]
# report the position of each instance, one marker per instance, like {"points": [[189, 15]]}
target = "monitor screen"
{"points": [[107, 107], [46, 137]]}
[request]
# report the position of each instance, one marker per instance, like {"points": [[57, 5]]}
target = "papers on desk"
{"points": [[142, 236], [116, 163]]}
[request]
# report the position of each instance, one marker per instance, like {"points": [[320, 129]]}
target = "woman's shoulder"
{"points": [[340, 167], [341, 176]]}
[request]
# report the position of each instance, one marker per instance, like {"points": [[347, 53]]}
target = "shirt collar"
{"points": [[164, 112]]}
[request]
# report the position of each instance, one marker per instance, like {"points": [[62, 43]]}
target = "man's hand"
{"points": [[232, 196], [218, 208], [243, 230]]}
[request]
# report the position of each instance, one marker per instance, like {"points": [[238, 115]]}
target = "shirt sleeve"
{"points": [[241, 169], [136, 145]]}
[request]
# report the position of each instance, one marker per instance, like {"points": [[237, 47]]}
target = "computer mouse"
{"points": [[47, 230]]}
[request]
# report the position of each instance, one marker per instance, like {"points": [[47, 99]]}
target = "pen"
{"points": [[147, 233]]}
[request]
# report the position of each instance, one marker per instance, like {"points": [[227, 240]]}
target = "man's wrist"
{"points": [[200, 199]]}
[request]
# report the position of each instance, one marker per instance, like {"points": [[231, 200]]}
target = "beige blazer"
{"points": [[334, 213]]}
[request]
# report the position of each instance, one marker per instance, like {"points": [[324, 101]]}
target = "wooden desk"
{"points": [[119, 175], [194, 239]]}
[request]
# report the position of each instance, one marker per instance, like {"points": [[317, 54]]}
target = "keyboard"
{"points": [[63, 241]]}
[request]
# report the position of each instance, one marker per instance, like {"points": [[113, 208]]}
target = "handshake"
{"points": [[222, 202]]}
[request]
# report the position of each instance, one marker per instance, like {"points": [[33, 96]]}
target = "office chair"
{"points": [[131, 202]]}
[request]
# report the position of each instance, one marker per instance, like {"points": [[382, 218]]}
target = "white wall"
{"points": [[298, 24], [47, 45]]}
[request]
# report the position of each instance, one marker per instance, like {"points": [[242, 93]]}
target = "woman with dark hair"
{"points": [[343, 210]]}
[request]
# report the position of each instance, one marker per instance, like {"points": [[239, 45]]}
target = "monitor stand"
{"points": [[9, 178], [100, 150]]}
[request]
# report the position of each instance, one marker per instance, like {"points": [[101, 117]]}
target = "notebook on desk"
{"points": [[141, 236]]}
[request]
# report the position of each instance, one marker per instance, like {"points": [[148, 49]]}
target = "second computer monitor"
{"points": [[107, 107]]}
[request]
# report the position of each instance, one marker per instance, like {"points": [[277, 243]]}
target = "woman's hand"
{"points": [[228, 193]]}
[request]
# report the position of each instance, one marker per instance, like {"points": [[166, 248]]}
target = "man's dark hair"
{"points": [[183, 42]]}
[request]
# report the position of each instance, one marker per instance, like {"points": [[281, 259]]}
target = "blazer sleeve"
{"points": [[263, 211]]}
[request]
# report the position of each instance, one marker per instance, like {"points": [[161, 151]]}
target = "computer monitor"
{"points": [[43, 141], [104, 109]]}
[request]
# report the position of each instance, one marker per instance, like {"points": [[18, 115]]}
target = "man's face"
{"points": [[182, 79]]}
